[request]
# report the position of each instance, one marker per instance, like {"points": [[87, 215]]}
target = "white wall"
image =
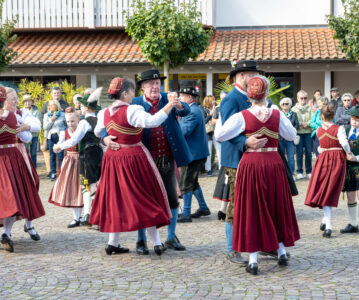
{"points": [[311, 81], [234, 13], [346, 82]]}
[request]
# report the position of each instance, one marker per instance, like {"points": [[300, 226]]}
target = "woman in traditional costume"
{"points": [[26, 122], [328, 173], [131, 194], [264, 216], [18, 194], [67, 190]]}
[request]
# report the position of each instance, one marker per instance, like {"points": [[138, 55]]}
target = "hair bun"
{"points": [[69, 110]]}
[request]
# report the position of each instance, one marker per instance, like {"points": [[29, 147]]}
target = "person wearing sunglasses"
{"points": [[341, 115], [305, 113], [288, 146]]}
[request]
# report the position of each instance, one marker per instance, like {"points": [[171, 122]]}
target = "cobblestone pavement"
{"points": [[72, 264]]}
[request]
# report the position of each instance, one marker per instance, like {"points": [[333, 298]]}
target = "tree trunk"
{"points": [[166, 68]]}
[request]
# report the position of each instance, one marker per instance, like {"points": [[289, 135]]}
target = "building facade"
{"points": [[84, 42]]}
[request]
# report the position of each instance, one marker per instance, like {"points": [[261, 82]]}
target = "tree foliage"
{"points": [[6, 37], [167, 33], [347, 29]]}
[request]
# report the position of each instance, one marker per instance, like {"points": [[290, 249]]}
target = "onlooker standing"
{"points": [[316, 122], [356, 98], [313, 102], [288, 146], [55, 95], [54, 122], [335, 96], [215, 117], [208, 110], [341, 115], [304, 113], [29, 105]]}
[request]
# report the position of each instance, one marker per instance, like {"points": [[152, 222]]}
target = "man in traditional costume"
{"points": [[167, 146], [90, 152], [194, 130]]}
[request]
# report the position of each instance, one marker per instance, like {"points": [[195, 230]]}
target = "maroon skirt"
{"points": [[18, 193], [130, 195], [263, 208], [327, 179]]}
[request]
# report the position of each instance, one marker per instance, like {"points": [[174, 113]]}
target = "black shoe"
{"points": [[48, 176], [118, 250], [163, 247], [252, 269], [283, 260], [74, 223], [327, 233], [7, 243], [175, 244], [158, 249], [322, 226], [34, 237], [273, 254], [349, 229], [85, 220], [201, 212], [184, 219], [53, 177], [141, 248], [221, 215]]}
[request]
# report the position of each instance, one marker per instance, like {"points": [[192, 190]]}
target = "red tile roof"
{"points": [[281, 45]]}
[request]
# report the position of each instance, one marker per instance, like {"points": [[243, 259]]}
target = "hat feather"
{"points": [[95, 96]]}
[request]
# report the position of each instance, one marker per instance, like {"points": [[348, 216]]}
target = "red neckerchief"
{"points": [[153, 102], [238, 86], [194, 101]]}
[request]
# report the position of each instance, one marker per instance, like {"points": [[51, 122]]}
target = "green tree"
{"points": [[6, 37], [347, 29], [167, 35]]}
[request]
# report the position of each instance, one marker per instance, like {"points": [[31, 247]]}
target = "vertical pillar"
{"points": [[209, 83], [93, 81], [327, 83]]}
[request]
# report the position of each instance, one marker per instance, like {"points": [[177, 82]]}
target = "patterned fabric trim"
{"points": [[6, 128], [265, 131], [124, 130], [329, 136]]}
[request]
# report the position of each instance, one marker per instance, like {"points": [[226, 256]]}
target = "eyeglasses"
{"points": [[285, 103], [347, 100], [305, 98]]}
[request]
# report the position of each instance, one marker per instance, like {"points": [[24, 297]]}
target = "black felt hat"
{"points": [[189, 90], [149, 75], [245, 66]]}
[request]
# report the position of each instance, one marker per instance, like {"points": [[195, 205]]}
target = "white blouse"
{"points": [[136, 116], [236, 125], [341, 135], [24, 136], [78, 135]]}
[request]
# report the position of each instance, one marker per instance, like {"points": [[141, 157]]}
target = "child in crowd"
{"points": [[67, 190], [329, 169], [351, 183]]}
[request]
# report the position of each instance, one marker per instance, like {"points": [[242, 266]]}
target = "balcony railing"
{"points": [[35, 14]]}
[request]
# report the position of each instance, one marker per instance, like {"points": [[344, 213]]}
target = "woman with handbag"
{"points": [[288, 146], [208, 108]]}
